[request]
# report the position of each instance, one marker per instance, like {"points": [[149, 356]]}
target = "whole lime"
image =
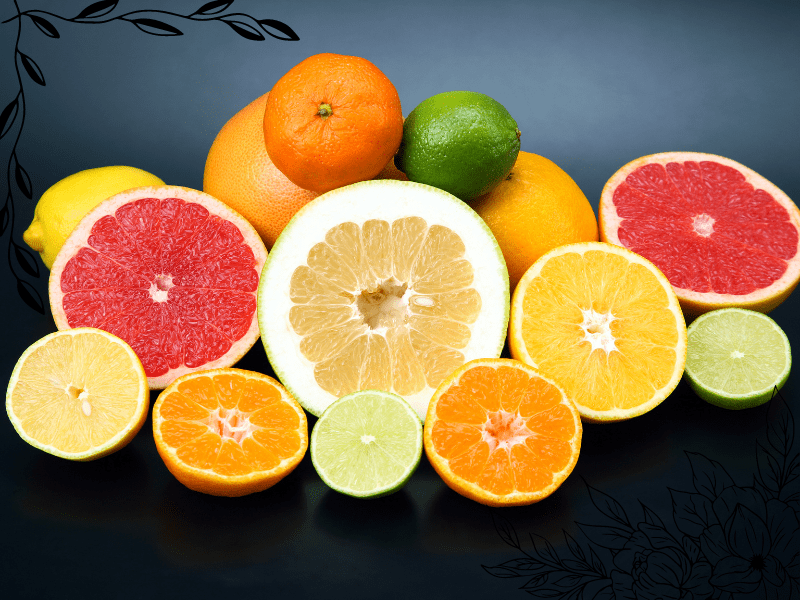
{"points": [[462, 142]]}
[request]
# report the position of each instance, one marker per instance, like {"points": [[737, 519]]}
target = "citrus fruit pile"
{"points": [[385, 263]]}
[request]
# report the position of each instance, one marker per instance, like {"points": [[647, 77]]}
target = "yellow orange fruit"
{"points": [[536, 208], [605, 324], [229, 432], [501, 434]]}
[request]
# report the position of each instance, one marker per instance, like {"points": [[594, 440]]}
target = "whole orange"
{"points": [[332, 120], [535, 209], [239, 173]]}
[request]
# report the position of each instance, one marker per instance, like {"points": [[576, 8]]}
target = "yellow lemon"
{"points": [[66, 202]]}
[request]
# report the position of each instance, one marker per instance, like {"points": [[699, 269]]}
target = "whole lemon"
{"points": [[535, 209], [462, 142], [66, 202]]}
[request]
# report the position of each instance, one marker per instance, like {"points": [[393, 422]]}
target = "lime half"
{"points": [[367, 444], [736, 358]]}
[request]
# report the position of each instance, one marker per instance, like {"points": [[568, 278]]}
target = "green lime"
{"points": [[462, 142], [367, 444], [735, 358]]}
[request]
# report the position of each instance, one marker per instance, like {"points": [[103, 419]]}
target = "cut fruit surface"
{"points": [[78, 394], [385, 285], [229, 432], [736, 358], [367, 444], [721, 233], [171, 271], [500, 433], [605, 324]]}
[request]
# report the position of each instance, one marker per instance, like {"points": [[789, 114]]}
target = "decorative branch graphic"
{"points": [[22, 262], [728, 541]]}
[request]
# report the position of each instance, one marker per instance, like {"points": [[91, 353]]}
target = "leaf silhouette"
{"points": [[243, 29], [501, 572], [8, 116], [98, 9], [597, 564], [505, 530], [212, 8], [30, 296], [31, 68], [780, 433], [651, 518], [23, 180], [692, 512], [769, 471], [548, 553], [154, 27], [709, 477], [534, 582], [26, 260], [45, 26], [288, 33], [524, 564], [613, 538], [574, 547], [659, 537], [4, 219], [609, 507]]}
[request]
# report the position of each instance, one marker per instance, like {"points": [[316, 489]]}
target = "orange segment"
{"points": [[500, 433], [229, 432]]}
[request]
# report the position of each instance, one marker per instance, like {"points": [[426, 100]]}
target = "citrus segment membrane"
{"points": [[501, 434], [78, 394], [605, 324], [171, 271]]}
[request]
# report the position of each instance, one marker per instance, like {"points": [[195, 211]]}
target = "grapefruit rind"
{"points": [[121, 439], [725, 399], [473, 491], [696, 303], [520, 352], [359, 202], [207, 481], [82, 231]]}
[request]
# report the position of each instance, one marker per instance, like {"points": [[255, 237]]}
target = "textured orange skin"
{"points": [[353, 143], [240, 173]]}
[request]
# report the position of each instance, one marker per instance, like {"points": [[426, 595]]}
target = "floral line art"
{"points": [[726, 540], [22, 262]]}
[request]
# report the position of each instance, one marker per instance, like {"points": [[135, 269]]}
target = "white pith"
{"points": [[597, 330]]}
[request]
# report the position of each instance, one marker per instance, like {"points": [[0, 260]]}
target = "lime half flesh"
{"points": [[736, 358], [367, 444]]}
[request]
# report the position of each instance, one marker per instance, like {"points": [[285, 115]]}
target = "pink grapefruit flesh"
{"points": [[722, 234], [170, 270]]}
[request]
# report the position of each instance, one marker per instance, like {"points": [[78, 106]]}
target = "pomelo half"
{"points": [[721, 233], [170, 270], [386, 285]]}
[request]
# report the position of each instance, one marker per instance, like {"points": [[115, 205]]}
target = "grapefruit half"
{"points": [[170, 270], [721, 233]]}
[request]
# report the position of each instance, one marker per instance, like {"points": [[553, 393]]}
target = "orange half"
{"points": [[501, 434], [229, 432]]}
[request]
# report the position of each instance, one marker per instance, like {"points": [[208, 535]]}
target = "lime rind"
{"points": [[737, 358], [367, 444]]}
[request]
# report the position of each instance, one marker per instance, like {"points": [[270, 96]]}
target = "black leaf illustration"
{"points": [[26, 260], [613, 538], [548, 553], [599, 589], [154, 27], [565, 579], [45, 26], [243, 29], [780, 433], [659, 537], [651, 518], [534, 582], [597, 564], [574, 547], [526, 565], [31, 68], [543, 592], [609, 507], [769, 470], [30, 296], [23, 180], [501, 571], [212, 8], [98, 9], [4, 219], [691, 549], [692, 512], [7, 117], [288, 33], [505, 530], [709, 477]]}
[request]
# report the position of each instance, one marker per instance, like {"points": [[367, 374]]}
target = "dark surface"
{"points": [[592, 86]]}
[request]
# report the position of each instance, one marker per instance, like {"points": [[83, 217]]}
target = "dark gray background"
{"points": [[592, 86]]}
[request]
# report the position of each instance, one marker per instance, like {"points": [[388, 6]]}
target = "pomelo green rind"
{"points": [[712, 370], [383, 199], [367, 444]]}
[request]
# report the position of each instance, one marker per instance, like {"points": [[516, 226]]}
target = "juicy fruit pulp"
{"points": [[461, 142], [721, 234], [501, 434], [605, 324], [79, 394], [229, 432], [736, 358], [159, 269], [367, 444]]}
